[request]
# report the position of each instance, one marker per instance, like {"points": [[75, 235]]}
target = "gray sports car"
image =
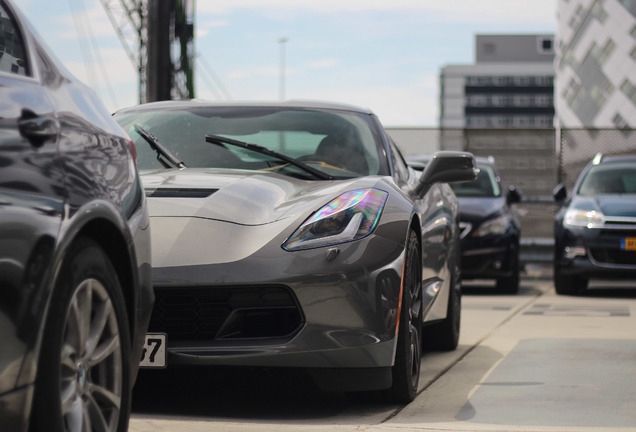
{"points": [[295, 235]]}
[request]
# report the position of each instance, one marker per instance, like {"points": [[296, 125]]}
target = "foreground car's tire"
{"points": [[509, 284], [568, 285], [408, 356], [444, 335], [83, 376]]}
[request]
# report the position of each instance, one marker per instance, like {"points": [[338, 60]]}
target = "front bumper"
{"points": [[274, 308], [594, 253], [490, 257]]}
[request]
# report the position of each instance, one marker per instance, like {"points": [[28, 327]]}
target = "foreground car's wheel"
{"points": [[510, 284], [83, 377], [444, 335], [568, 285], [408, 356]]}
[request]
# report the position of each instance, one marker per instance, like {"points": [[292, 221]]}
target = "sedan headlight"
{"points": [[586, 218], [496, 226], [351, 216]]}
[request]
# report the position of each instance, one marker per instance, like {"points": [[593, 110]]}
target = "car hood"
{"points": [[610, 205], [240, 197], [471, 209]]}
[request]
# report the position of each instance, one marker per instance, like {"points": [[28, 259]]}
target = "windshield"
{"points": [[486, 185], [615, 178], [338, 143]]}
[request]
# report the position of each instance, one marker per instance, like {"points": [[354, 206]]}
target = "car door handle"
{"points": [[39, 129]]}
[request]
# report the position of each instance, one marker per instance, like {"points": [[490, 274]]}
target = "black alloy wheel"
{"points": [[408, 356]]}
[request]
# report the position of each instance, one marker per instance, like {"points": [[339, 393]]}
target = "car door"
{"points": [[31, 199]]}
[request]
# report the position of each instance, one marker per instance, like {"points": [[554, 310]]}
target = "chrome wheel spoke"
{"points": [[104, 350], [97, 412], [107, 398], [103, 312], [91, 370]]}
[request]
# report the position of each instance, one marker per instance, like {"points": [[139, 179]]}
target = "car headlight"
{"points": [[496, 226], [351, 216], [586, 218]]}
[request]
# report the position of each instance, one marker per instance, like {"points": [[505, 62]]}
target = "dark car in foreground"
{"points": [[294, 234], [75, 276], [490, 230], [595, 229]]}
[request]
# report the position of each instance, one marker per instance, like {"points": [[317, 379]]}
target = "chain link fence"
{"points": [[533, 160]]}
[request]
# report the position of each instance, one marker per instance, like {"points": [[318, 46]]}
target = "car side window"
{"points": [[399, 165], [13, 57]]}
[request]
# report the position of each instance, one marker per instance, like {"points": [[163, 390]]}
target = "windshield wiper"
{"points": [[215, 139], [162, 152]]}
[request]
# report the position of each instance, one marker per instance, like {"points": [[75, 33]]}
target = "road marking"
{"points": [[579, 311]]}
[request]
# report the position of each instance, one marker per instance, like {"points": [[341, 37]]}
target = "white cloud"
{"points": [[92, 22], [323, 64], [457, 10]]}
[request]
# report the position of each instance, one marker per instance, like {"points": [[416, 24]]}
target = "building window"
{"points": [[521, 81], [571, 91], [545, 45], [544, 81], [500, 81], [619, 121], [599, 12], [477, 101], [629, 90], [543, 100]]}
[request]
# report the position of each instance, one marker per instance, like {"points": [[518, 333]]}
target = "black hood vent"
{"points": [[179, 192]]}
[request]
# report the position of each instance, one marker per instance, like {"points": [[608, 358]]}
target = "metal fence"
{"points": [[533, 160]]}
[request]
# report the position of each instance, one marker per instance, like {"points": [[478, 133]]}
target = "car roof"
{"points": [[617, 158], [307, 104]]}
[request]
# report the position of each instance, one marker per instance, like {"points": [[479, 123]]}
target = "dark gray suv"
{"points": [[75, 275]]}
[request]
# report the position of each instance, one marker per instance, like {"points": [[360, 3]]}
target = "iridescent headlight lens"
{"points": [[351, 216]]}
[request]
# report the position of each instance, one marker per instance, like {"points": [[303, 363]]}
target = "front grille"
{"points": [[613, 256], [224, 313]]}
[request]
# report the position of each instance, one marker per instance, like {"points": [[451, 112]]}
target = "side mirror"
{"points": [[514, 195], [447, 167], [560, 193]]}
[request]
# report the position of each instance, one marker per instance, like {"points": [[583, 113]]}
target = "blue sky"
{"points": [[380, 54]]}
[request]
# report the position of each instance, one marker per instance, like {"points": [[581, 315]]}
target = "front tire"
{"points": [[408, 356], [568, 285], [83, 374]]}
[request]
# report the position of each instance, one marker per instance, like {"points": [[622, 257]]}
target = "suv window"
{"points": [[609, 179], [12, 48]]}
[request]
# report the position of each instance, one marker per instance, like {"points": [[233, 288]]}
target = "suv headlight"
{"points": [[496, 226], [585, 218], [351, 216]]}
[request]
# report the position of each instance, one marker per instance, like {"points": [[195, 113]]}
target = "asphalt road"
{"points": [[532, 362]]}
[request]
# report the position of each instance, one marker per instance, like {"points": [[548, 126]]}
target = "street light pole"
{"points": [[281, 90]]}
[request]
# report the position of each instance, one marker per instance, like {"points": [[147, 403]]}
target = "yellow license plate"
{"points": [[628, 243]]}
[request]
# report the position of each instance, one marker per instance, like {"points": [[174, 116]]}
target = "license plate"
{"points": [[154, 353], [628, 243]]}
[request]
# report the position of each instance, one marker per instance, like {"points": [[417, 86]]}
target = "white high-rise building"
{"points": [[595, 63]]}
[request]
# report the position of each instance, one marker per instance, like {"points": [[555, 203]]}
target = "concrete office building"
{"points": [[595, 63], [510, 85]]}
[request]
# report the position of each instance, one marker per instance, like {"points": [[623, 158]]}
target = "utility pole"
{"points": [[158, 36]]}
